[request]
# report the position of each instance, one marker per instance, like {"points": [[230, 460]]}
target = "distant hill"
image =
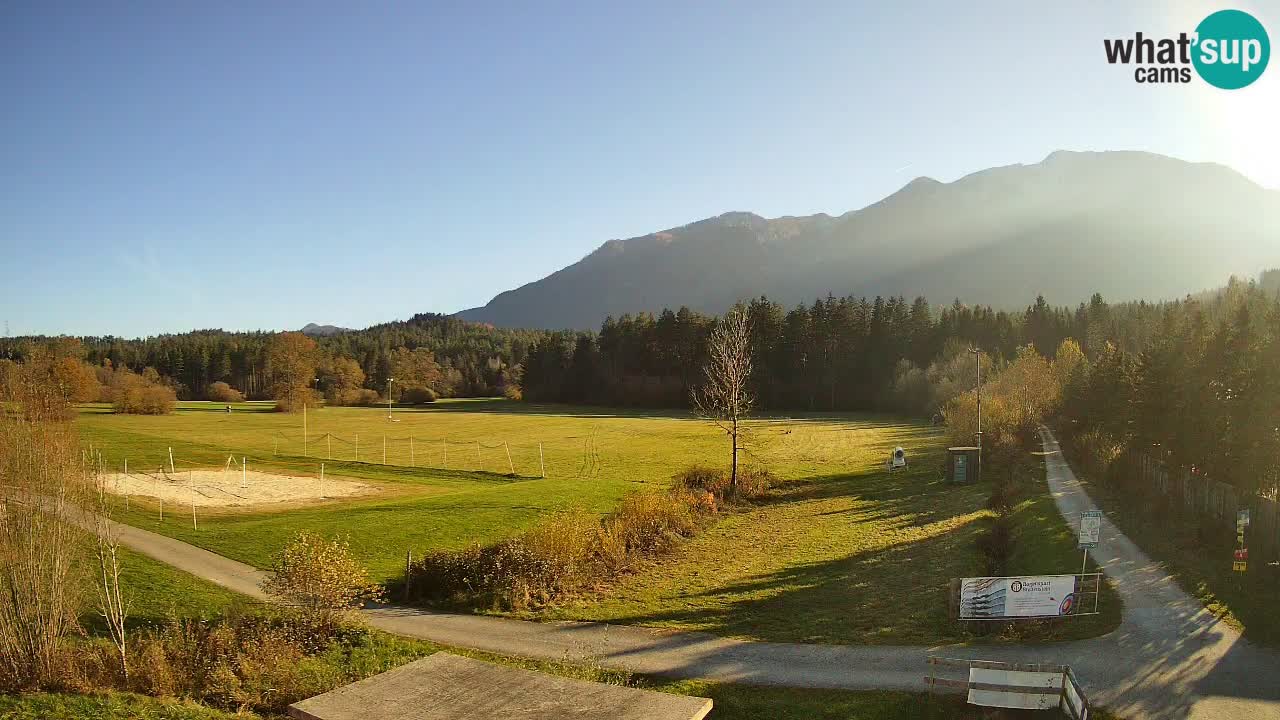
{"points": [[315, 330], [1127, 224]]}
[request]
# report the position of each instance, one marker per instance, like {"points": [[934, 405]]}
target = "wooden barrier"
{"points": [[1071, 699]]}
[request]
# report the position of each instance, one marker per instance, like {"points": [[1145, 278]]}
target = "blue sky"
{"points": [[168, 166]]}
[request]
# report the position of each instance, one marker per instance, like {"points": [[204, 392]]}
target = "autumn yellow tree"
{"points": [[415, 370], [291, 361], [341, 379], [321, 578], [1028, 387]]}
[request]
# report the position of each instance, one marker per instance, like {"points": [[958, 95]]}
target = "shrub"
{"points": [[144, 394], [321, 578], [753, 482], [652, 521], [357, 397], [294, 402], [418, 396], [701, 477], [570, 550], [223, 393]]}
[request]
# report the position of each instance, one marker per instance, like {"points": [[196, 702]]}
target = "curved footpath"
{"points": [[1170, 658]]}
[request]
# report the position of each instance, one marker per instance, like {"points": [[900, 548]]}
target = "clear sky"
{"points": [[167, 166]]}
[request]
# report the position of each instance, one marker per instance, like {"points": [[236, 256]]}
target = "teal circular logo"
{"points": [[1232, 49]]}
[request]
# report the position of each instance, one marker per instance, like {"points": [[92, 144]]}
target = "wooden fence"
{"points": [[1214, 503]]}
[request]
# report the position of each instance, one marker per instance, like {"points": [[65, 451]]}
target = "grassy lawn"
{"points": [[153, 587], [842, 552], [862, 558], [592, 456], [158, 592], [67, 706], [1045, 544], [732, 702]]}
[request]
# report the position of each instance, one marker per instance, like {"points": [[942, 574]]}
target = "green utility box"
{"points": [[964, 464]]}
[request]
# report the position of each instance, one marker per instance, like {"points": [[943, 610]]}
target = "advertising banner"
{"points": [[1031, 596]]}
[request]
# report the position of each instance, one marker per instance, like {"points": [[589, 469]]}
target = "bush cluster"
{"points": [[576, 549], [243, 662], [223, 393], [418, 396], [753, 482], [355, 397], [145, 400]]}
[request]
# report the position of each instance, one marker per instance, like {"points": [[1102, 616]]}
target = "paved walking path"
{"points": [[1170, 658]]}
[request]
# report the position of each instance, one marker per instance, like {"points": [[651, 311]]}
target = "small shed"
{"points": [[449, 687], [964, 464]]}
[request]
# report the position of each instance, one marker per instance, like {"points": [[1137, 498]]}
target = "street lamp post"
{"points": [[977, 369], [304, 418]]}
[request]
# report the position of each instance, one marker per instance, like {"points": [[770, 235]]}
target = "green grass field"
{"points": [[842, 552]]}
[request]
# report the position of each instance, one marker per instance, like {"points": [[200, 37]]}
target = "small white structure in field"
{"points": [[896, 461]]}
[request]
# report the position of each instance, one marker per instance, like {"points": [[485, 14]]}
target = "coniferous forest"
{"points": [[1199, 377]]}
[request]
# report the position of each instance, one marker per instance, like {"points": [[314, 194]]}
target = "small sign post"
{"points": [[1090, 535], [1240, 558]]}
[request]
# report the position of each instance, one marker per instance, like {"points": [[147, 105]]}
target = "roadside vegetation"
{"points": [[1201, 395]]}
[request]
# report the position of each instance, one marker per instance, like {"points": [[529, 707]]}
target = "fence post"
{"points": [[408, 572], [411, 463], [479, 459], [328, 439], [384, 448], [357, 447], [541, 463], [444, 444], [510, 466], [192, 485]]}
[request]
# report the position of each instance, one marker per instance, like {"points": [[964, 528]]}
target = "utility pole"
{"points": [[977, 368]]}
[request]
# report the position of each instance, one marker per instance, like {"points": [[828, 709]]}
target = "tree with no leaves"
{"points": [[111, 599], [724, 397]]}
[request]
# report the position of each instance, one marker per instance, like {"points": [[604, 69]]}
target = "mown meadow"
{"points": [[841, 551]]}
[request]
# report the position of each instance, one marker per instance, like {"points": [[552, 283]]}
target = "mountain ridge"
{"points": [[1129, 224]]}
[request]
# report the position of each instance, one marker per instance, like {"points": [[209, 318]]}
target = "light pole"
{"points": [[389, 381], [304, 418], [977, 369]]}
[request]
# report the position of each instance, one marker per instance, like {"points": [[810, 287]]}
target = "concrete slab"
{"points": [[449, 687]]}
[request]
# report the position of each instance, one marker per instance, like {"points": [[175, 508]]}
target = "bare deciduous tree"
{"points": [[43, 477], [724, 397], [111, 604]]}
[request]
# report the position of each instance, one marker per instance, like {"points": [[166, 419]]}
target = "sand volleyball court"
{"points": [[231, 488]]}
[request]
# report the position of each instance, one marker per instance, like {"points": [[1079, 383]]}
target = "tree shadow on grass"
{"points": [[873, 597]]}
